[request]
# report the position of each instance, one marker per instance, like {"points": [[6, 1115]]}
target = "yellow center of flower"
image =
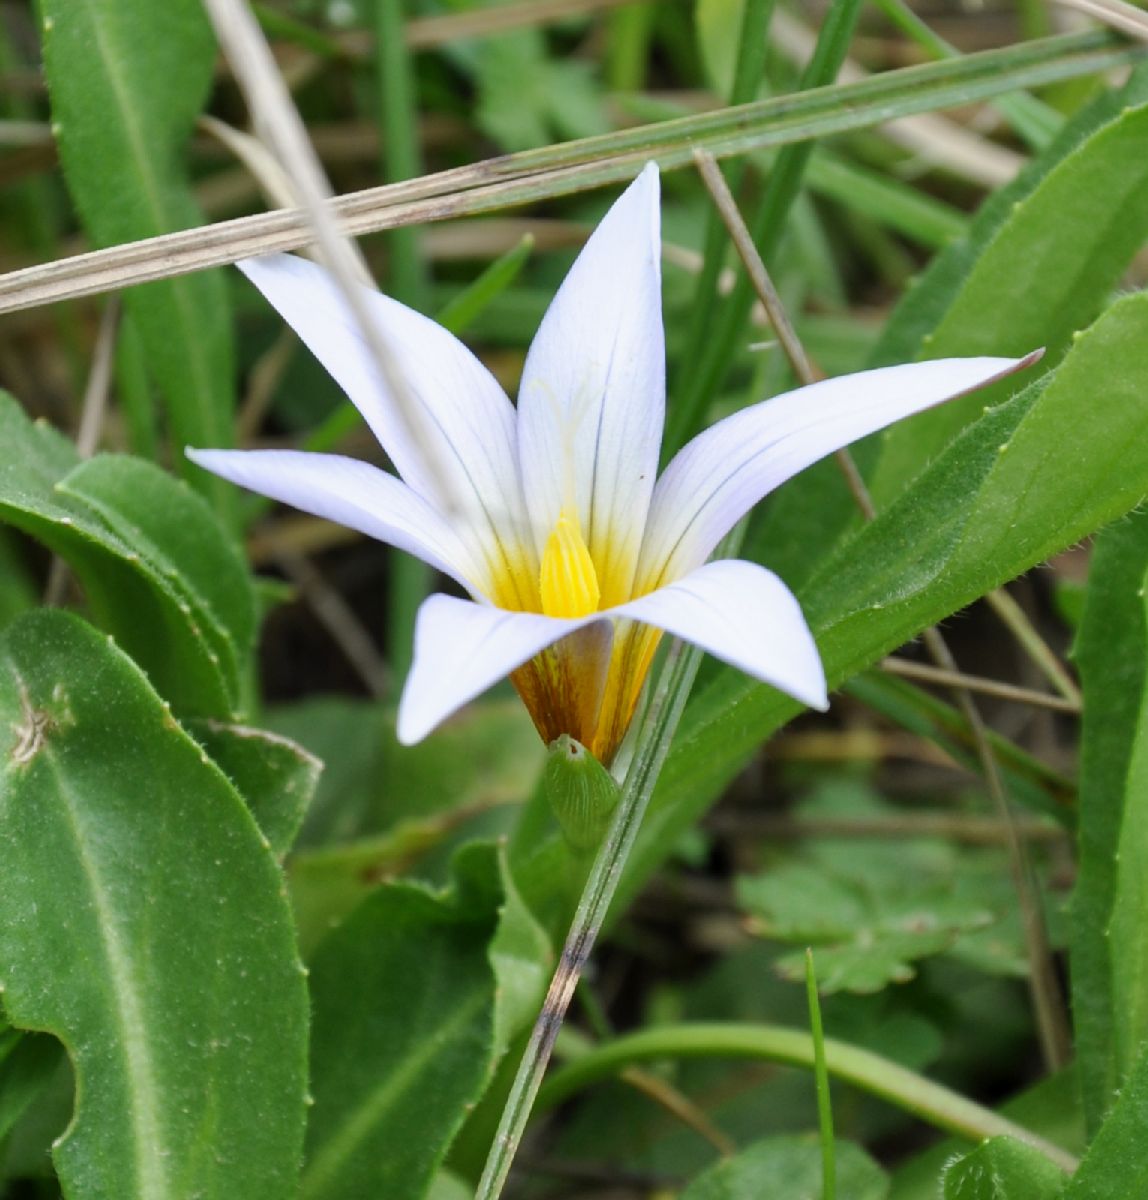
{"points": [[568, 582]]}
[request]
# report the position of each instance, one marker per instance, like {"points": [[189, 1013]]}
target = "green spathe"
{"points": [[582, 793]]}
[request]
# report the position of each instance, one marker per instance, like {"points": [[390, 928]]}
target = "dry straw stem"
{"points": [[774, 309], [425, 33], [934, 140], [1039, 652], [678, 1105], [1048, 1004], [1115, 13], [339, 619], [261, 164], [977, 683], [575, 166], [282, 130]]}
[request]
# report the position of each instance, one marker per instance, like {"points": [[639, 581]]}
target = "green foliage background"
{"points": [[250, 946]]}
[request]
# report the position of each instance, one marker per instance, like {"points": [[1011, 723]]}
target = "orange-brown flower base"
{"points": [[587, 685]]}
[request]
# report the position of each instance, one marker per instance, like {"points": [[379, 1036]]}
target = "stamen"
{"points": [[568, 582]]}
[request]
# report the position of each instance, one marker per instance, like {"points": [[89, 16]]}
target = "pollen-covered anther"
{"points": [[568, 582]]}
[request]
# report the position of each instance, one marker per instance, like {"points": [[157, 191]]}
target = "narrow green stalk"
{"points": [[654, 738], [939, 1106], [628, 46], [748, 72], [465, 307], [401, 159], [821, 1078], [133, 389], [285, 28], [410, 579], [1034, 120], [1035, 18], [889, 202], [703, 373]]}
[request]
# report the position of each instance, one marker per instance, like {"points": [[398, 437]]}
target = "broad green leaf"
{"points": [[799, 526], [924, 307], [17, 594], [400, 1057], [1031, 477], [165, 524], [27, 1062], [1049, 1109], [126, 80], [489, 755], [1046, 273], [169, 527], [1116, 1165], [274, 775], [347, 736], [1110, 904], [156, 567], [1002, 1168], [143, 923], [789, 1167], [381, 809], [328, 882], [522, 958], [446, 1186]]}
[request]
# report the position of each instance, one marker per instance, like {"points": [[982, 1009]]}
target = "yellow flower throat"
{"points": [[567, 581]]}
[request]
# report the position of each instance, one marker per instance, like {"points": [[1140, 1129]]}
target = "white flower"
{"points": [[576, 561]]}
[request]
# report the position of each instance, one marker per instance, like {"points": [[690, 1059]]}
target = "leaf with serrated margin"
{"points": [[274, 775]]}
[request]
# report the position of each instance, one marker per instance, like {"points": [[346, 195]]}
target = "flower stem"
{"points": [[908, 1091], [654, 738]]}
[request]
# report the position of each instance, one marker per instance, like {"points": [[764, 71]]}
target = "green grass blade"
{"points": [[1110, 907], [821, 1080], [704, 370], [126, 80], [1034, 120], [749, 67], [593, 162]]}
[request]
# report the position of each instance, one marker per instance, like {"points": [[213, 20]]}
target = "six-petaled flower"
{"points": [[575, 556]]}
